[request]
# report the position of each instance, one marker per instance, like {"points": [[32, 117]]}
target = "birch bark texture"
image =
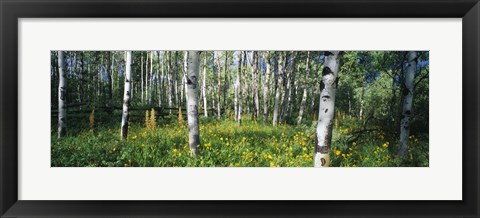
{"points": [[255, 86], [62, 95], [278, 87], [407, 102], [266, 57], [241, 88], [237, 84], [204, 85], [328, 88], [193, 62], [219, 107], [126, 95]]}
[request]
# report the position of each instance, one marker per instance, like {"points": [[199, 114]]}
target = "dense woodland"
{"points": [[240, 108]]}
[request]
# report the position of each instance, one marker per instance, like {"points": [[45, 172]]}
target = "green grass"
{"points": [[224, 144]]}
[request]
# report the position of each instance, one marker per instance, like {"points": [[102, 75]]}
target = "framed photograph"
{"points": [[227, 108]]}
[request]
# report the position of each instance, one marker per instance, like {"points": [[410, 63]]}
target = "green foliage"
{"points": [[224, 144]]}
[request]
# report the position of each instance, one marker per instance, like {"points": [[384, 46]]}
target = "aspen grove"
{"points": [[239, 108]]}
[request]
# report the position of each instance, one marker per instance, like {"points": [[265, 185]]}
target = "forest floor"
{"points": [[225, 144]]}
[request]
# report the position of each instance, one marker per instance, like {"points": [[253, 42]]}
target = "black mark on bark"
{"points": [[322, 85], [323, 161], [62, 93], [326, 71]]}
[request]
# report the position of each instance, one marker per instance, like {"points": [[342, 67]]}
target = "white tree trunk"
{"points": [[278, 87], [204, 86], [141, 78], [126, 95], [289, 87], [170, 81], [219, 110], [241, 93], [266, 57], [150, 86], [225, 78], [161, 96], [304, 96], [328, 87], [407, 103], [193, 61], [256, 111], [236, 84], [62, 96], [184, 78], [146, 78], [362, 101], [175, 78]]}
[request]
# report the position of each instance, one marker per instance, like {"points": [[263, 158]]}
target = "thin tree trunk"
{"points": [[150, 86], [204, 86], [237, 84], [127, 95], [175, 78], [82, 72], [407, 103], [278, 86], [241, 87], [304, 96], [289, 85], [284, 94], [62, 95], [293, 93], [256, 110], [349, 103], [184, 78], [219, 114], [225, 78], [362, 101], [193, 62], [141, 78], [161, 80], [146, 79], [112, 75], [170, 81], [109, 77], [328, 87], [132, 84], [266, 57]]}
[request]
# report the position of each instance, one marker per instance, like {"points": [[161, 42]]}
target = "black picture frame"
{"points": [[12, 10]]}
